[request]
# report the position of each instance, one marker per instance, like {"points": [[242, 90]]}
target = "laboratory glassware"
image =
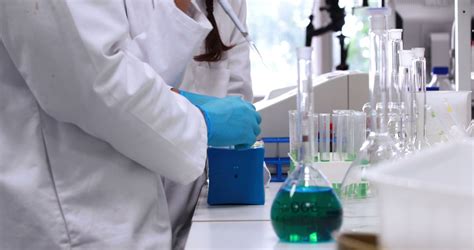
{"points": [[305, 209], [408, 98], [440, 79], [395, 44], [394, 123], [341, 134], [357, 193], [359, 123], [324, 137], [367, 109], [419, 80], [293, 141], [355, 130], [470, 129], [315, 122], [439, 130], [293, 149], [304, 98]]}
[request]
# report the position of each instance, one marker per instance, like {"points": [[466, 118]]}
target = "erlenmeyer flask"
{"points": [[357, 194], [306, 209]]}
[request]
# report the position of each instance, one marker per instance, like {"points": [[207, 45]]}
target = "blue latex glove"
{"points": [[197, 99], [231, 121]]}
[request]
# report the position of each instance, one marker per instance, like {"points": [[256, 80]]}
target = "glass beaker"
{"points": [[357, 193], [305, 209]]}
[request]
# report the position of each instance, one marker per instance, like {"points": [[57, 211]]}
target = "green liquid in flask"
{"points": [[307, 214]]}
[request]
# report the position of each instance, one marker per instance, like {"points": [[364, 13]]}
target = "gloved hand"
{"points": [[231, 121], [197, 99]]}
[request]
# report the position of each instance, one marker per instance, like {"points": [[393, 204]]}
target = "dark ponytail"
{"points": [[214, 45]]}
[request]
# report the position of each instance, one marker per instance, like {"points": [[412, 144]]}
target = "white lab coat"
{"points": [[231, 75], [88, 125], [228, 77]]}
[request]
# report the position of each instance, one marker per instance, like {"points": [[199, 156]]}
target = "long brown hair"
{"points": [[214, 45]]}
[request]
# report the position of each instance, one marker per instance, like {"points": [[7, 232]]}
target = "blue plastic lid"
{"points": [[434, 88], [440, 70]]}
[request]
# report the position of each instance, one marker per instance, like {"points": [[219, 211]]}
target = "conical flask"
{"points": [[357, 194], [305, 209]]}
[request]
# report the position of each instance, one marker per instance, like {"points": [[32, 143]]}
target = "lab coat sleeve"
{"points": [[73, 56], [240, 82]]}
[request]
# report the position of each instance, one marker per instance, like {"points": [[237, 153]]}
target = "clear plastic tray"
{"points": [[427, 199]]}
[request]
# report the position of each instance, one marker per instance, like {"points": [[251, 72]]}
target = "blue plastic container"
{"points": [[236, 176]]}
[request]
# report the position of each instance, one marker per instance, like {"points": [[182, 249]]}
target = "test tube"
{"points": [[324, 137], [341, 134], [360, 135], [316, 133], [351, 136], [311, 138], [336, 146]]}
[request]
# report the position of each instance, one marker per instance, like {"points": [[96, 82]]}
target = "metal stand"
{"points": [[462, 19]]}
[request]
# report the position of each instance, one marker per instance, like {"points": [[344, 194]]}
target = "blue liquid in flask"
{"points": [[306, 214]]}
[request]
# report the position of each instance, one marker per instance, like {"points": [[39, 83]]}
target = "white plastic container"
{"points": [[427, 199]]}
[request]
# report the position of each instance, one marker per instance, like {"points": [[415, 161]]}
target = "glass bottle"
{"points": [[419, 80], [357, 193], [305, 209]]}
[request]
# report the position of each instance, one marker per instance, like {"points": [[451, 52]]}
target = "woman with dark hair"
{"points": [[89, 125], [221, 67]]}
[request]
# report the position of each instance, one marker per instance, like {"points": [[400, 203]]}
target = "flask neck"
{"points": [[304, 116], [378, 81]]}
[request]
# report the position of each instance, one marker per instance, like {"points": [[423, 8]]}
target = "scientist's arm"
{"points": [[240, 82], [73, 55]]}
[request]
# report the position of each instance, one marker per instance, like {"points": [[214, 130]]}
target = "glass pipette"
{"points": [[238, 24]]}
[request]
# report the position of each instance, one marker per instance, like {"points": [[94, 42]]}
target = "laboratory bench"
{"points": [[239, 227]]}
